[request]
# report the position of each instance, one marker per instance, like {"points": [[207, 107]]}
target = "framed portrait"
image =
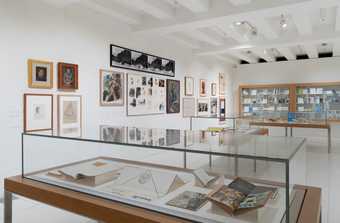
{"points": [[113, 134], [213, 89], [67, 76], [40, 74], [189, 86], [203, 88], [189, 107], [38, 112], [213, 106], [221, 84], [173, 96], [202, 107], [70, 115], [222, 109], [111, 88]]}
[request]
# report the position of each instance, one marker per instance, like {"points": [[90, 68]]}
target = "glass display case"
{"points": [[205, 122], [193, 175]]}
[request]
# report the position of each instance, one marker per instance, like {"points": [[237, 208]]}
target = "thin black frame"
{"points": [[141, 70]]}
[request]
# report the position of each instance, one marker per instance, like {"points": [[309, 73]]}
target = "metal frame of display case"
{"points": [[269, 157]]}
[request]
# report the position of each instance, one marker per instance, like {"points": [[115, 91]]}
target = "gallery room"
{"points": [[170, 111]]}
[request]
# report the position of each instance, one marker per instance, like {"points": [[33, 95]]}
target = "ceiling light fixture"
{"points": [[283, 22]]}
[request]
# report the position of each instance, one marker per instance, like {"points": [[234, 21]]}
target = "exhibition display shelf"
{"points": [[139, 168]]}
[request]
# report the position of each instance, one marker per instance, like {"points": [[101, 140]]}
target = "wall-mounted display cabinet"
{"points": [[275, 101]]}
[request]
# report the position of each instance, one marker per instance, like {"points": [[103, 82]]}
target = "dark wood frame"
{"points": [[177, 82], [140, 70], [185, 86], [81, 111], [101, 88], [60, 76], [25, 112], [30, 63]]}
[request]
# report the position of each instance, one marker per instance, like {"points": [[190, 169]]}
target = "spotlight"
{"points": [[283, 22]]}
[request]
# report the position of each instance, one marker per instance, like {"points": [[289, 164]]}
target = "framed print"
{"points": [[146, 95], [173, 96], [222, 109], [213, 106], [67, 76], [40, 74], [189, 107], [202, 107], [113, 134], [126, 58], [203, 88], [213, 89], [70, 115], [111, 88], [221, 84], [38, 112], [189, 86]]}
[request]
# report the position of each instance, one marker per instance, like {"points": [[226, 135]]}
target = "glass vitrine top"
{"points": [[242, 143]]}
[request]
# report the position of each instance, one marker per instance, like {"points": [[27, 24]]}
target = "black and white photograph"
{"points": [[173, 137], [202, 107], [112, 88], [213, 106], [189, 200], [122, 57], [112, 134]]}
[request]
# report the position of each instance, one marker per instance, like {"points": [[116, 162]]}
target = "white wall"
{"points": [[301, 71], [32, 29]]}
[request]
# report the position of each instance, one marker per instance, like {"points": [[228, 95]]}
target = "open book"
{"points": [[241, 196]]}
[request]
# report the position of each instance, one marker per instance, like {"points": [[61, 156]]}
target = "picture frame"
{"points": [[112, 88], [203, 107], [173, 96], [38, 112], [113, 134], [203, 88], [122, 57], [189, 107], [189, 86], [222, 109], [213, 106], [70, 115], [67, 76], [40, 74], [213, 89], [221, 84]]}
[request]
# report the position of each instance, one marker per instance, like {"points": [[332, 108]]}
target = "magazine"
{"points": [[189, 200]]}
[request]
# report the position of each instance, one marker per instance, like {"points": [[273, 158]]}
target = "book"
{"points": [[241, 196], [189, 200], [203, 177]]}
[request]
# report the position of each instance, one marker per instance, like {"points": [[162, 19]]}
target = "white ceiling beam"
{"points": [[185, 42], [303, 22], [228, 15], [278, 43], [311, 51], [204, 37], [264, 55], [286, 52], [231, 33], [227, 59], [155, 8], [243, 56], [116, 13], [195, 5], [265, 29], [337, 19]]}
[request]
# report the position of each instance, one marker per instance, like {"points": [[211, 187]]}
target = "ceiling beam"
{"points": [[116, 13], [227, 59], [184, 41], [204, 37], [278, 43], [265, 29], [243, 56], [311, 51], [303, 23], [195, 5], [155, 8], [286, 52], [228, 15], [231, 33], [264, 55]]}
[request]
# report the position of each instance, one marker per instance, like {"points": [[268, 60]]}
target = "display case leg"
{"points": [[210, 161], [286, 131], [185, 160], [7, 207], [329, 140], [291, 131]]}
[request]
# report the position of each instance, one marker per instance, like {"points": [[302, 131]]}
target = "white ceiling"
{"points": [[209, 27]]}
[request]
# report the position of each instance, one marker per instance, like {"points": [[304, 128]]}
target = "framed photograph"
{"points": [[202, 107], [213, 89], [126, 58], [70, 115], [146, 95], [189, 86], [222, 109], [113, 134], [221, 84], [203, 88], [213, 106], [38, 112], [40, 74], [173, 96], [111, 88], [189, 107], [67, 76]]}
